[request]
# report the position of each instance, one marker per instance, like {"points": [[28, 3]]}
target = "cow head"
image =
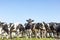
{"points": [[30, 20]]}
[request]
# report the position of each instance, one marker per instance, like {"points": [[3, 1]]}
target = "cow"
{"points": [[4, 32], [36, 29], [12, 31], [20, 30], [53, 29], [16, 30], [41, 30], [1, 25], [56, 30], [28, 27], [48, 30]]}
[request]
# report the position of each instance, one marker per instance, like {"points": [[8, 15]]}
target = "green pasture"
{"points": [[28, 39]]}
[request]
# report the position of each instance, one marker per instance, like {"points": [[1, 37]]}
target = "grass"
{"points": [[28, 39]]}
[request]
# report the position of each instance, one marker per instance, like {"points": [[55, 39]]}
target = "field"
{"points": [[28, 39]]}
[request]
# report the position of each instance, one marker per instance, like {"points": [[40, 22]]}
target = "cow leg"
{"points": [[47, 34], [21, 34], [58, 35], [38, 34], [44, 34], [26, 33], [30, 33], [35, 34], [7, 36], [10, 34], [55, 34], [51, 34], [2, 35]]}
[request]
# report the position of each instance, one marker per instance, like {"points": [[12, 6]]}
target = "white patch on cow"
{"points": [[38, 34], [43, 26], [48, 24], [9, 27], [4, 23], [17, 31], [12, 25], [55, 24], [16, 24], [47, 34], [13, 34], [0, 30], [52, 34]]}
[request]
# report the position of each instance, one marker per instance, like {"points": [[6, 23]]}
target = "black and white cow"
{"points": [[28, 28], [11, 28], [54, 29], [16, 30], [39, 30], [42, 29], [4, 32], [20, 30], [50, 31], [36, 29]]}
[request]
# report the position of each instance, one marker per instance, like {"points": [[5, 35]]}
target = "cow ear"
{"points": [[32, 20], [27, 20]]}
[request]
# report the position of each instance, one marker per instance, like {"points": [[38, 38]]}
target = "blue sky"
{"points": [[38, 10]]}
